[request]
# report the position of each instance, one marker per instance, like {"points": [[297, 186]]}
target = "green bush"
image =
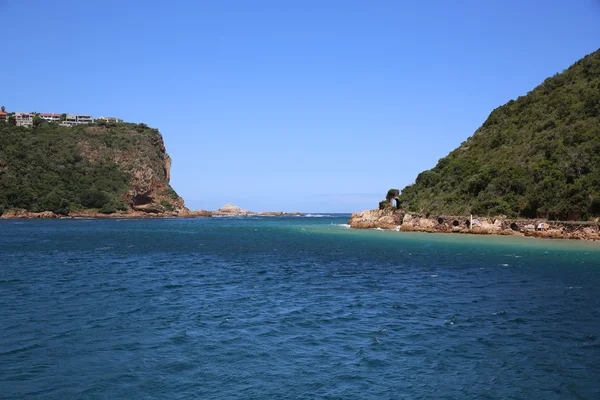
{"points": [[167, 205], [94, 198], [171, 193], [55, 201], [108, 208]]}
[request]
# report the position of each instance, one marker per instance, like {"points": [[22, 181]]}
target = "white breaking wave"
{"points": [[317, 215]]}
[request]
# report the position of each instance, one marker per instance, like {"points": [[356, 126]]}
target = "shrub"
{"points": [[168, 206], [170, 193], [94, 198], [56, 201]]}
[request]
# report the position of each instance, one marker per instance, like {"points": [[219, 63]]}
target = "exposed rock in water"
{"points": [[400, 221], [270, 213], [230, 209], [150, 208], [369, 219], [198, 213], [21, 213]]}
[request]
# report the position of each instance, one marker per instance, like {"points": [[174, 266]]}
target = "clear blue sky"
{"points": [[290, 105]]}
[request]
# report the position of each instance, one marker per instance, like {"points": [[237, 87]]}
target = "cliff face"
{"points": [[535, 157], [143, 158], [101, 168]]}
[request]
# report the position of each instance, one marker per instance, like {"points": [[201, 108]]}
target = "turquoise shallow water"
{"points": [[269, 308]]}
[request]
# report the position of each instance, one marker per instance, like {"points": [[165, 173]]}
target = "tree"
{"points": [[56, 201], [63, 117], [92, 198], [12, 120], [3, 109], [37, 120]]}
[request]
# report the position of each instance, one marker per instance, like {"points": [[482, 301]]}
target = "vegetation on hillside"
{"points": [[87, 167], [535, 157]]}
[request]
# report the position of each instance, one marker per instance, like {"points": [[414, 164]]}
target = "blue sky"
{"points": [[295, 106]]}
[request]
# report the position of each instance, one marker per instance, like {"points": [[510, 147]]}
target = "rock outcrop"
{"points": [[231, 210], [270, 214], [369, 219], [400, 221], [197, 213], [21, 213]]}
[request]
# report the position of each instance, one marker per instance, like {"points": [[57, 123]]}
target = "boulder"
{"points": [[152, 208], [369, 219], [22, 213], [270, 214], [45, 214], [230, 209]]}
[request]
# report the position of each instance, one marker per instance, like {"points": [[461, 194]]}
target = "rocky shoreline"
{"points": [[400, 221], [228, 210]]}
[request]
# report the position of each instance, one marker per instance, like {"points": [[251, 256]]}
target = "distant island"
{"points": [[533, 163]]}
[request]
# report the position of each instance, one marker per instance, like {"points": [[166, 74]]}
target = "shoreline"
{"points": [[396, 220], [24, 214]]}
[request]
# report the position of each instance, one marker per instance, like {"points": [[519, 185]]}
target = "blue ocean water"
{"points": [[298, 308]]}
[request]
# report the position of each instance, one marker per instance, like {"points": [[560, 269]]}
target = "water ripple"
{"points": [[291, 308]]}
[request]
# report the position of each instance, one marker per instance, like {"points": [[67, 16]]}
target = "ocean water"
{"points": [[292, 308]]}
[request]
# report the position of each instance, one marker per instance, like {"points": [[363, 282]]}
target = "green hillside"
{"points": [[103, 167], [534, 157]]}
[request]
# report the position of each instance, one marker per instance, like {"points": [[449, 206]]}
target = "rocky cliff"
{"points": [[97, 169]]}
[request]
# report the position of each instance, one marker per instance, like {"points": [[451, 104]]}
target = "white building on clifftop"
{"points": [[77, 119], [50, 117], [24, 119]]}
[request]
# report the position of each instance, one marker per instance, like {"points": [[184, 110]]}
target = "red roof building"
{"points": [[50, 117]]}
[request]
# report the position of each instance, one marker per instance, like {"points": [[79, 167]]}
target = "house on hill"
{"points": [[77, 119], [24, 119], [50, 117], [3, 116], [109, 119]]}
